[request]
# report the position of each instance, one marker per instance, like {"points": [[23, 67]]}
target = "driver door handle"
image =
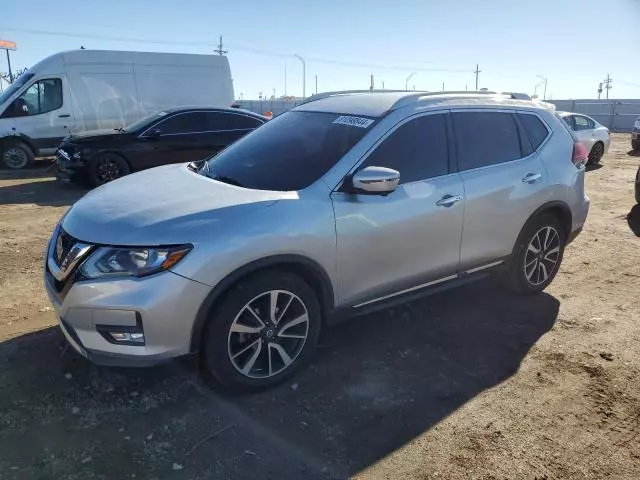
{"points": [[449, 200], [64, 115], [532, 177]]}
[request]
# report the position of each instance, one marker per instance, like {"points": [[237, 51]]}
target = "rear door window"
{"points": [[417, 149], [534, 128], [582, 123], [183, 123], [485, 138]]}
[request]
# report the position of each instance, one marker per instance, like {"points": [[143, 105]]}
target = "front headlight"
{"points": [[134, 261]]}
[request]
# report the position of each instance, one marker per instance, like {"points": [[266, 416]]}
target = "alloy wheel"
{"points": [[108, 170], [268, 334], [15, 157], [542, 255]]}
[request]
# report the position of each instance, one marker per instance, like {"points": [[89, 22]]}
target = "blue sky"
{"points": [[574, 43]]}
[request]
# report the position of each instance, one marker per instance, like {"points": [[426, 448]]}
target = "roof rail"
{"points": [[413, 96], [319, 96]]}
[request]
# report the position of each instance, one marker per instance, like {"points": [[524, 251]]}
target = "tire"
{"points": [[635, 144], [524, 274], [637, 186], [16, 155], [106, 167], [242, 355], [596, 153]]}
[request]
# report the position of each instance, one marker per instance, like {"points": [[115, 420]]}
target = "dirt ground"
{"points": [[471, 383]]}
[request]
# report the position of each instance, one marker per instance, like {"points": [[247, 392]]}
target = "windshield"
{"points": [[289, 152], [144, 121], [15, 86]]}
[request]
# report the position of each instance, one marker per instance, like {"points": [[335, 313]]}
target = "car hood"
{"points": [[162, 206], [93, 136]]}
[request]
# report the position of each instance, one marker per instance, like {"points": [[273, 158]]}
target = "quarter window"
{"points": [[486, 138], [41, 97], [417, 149], [535, 129]]}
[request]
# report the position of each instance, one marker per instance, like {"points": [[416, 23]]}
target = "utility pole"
{"points": [[599, 90], [304, 75], [316, 84], [383, 84], [285, 78], [443, 86], [406, 82], [607, 85], [371, 85], [219, 50], [477, 72]]}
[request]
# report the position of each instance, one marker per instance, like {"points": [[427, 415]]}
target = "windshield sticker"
{"points": [[360, 122]]}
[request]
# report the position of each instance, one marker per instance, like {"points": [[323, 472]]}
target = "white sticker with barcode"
{"points": [[360, 122]]}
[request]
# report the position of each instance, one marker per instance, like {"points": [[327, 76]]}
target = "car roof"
{"points": [[377, 103], [213, 109]]}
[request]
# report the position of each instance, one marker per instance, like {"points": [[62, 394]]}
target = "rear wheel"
{"points": [[596, 153], [635, 144], [265, 329], [106, 167], [16, 155], [537, 255]]}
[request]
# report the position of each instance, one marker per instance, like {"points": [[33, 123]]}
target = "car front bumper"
{"points": [[68, 168], [163, 307]]}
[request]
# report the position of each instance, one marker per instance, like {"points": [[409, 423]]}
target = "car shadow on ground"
{"points": [[633, 219], [39, 189], [634, 153], [590, 167], [377, 382]]}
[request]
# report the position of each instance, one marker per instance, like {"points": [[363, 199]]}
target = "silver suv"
{"points": [[345, 204]]}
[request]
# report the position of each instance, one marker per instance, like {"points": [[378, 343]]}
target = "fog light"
{"points": [[128, 337]]}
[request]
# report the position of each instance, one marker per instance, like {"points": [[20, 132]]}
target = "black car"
{"points": [[171, 136]]}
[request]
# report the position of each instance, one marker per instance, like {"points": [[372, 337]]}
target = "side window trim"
{"points": [[164, 119], [544, 123], [392, 130]]}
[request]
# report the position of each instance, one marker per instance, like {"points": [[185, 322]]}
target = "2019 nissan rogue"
{"points": [[347, 203]]}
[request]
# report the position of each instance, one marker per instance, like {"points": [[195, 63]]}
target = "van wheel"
{"points": [[16, 155], [263, 332], [537, 255], [106, 167]]}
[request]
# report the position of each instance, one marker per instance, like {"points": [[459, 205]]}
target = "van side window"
{"points": [[485, 138], [536, 131], [41, 97], [418, 149]]}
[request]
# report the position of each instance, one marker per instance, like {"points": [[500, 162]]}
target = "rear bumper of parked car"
{"points": [[579, 216], [162, 307]]}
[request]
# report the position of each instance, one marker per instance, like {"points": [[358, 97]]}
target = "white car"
{"points": [[595, 137]]}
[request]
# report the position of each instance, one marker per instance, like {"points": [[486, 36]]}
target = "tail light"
{"points": [[580, 154]]}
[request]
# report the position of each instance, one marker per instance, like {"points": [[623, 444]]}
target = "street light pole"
{"points": [[304, 75], [406, 82], [544, 79]]}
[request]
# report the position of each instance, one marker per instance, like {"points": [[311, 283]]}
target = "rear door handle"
{"points": [[532, 177], [64, 115], [449, 200]]}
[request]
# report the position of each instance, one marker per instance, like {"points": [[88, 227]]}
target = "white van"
{"points": [[81, 90]]}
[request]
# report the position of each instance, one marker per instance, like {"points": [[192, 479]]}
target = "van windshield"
{"points": [[289, 152], [15, 86]]}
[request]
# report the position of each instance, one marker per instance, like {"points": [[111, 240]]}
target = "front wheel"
{"points": [[537, 255], [16, 155], [265, 329], [106, 167]]}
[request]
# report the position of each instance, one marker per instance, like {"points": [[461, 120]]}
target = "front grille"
{"points": [[61, 248]]}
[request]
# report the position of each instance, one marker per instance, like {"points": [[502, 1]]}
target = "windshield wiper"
{"points": [[119, 130], [229, 180]]}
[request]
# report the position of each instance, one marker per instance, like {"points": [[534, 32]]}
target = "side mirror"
{"points": [[378, 180], [153, 133]]}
